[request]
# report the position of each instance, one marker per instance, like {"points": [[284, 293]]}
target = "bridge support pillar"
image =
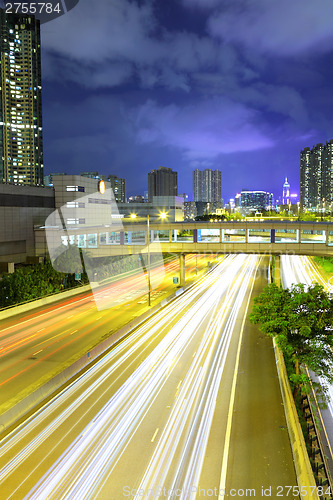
{"points": [[326, 233], [182, 269], [272, 235], [277, 277], [122, 238], [195, 236]]}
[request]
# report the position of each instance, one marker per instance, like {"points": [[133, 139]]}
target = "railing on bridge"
{"points": [[309, 238]]}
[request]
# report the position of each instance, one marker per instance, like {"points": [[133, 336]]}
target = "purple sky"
{"points": [[237, 85]]}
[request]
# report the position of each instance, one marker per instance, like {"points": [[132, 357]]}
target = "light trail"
{"points": [[84, 432], [20, 340]]}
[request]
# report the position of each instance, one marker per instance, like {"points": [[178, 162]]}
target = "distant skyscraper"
{"points": [[162, 182], [118, 186], [21, 138], [207, 185], [316, 176], [286, 193]]}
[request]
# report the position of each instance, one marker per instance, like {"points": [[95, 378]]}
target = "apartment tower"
{"points": [[21, 138]]}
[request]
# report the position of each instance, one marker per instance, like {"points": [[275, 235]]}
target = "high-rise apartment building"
{"points": [[316, 176], [207, 185], [162, 182], [118, 186], [21, 138]]}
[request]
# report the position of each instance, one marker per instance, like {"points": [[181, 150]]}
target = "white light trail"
{"points": [[201, 321]]}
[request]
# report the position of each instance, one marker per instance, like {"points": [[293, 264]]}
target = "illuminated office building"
{"points": [[252, 201], [286, 193], [21, 140]]}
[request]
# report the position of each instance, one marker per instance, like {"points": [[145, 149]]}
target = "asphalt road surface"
{"points": [[185, 407]]}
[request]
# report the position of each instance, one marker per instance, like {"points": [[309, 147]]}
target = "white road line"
{"points": [[232, 401]]}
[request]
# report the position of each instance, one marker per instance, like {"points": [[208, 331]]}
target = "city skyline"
{"points": [[172, 85]]}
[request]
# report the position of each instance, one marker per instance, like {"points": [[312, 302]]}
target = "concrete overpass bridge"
{"points": [[273, 237], [122, 238], [128, 238]]}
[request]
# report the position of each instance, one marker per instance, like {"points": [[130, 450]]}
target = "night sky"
{"points": [[238, 85]]}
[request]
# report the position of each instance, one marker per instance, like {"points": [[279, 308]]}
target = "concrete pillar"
{"points": [[182, 269], [195, 236], [326, 237], [246, 235], [170, 235], [297, 236], [122, 238], [175, 235], [7, 267], [272, 235], [222, 236], [277, 276]]}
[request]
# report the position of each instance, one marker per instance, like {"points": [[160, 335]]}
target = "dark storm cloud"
{"points": [[120, 37], [226, 85], [205, 130], [281, 27]]}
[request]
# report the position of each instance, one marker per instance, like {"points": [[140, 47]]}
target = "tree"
{"points": [[300, 320]]}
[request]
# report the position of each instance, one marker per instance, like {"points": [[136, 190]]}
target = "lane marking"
{"points": [[34, 354], [155, 434], [232, 396]]}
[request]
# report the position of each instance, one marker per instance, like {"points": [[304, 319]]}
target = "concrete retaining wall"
{"points": [[29, 306], [305, 477]]}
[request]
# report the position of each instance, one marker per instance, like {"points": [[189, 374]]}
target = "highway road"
{"points": [[301, 269], [154, 416], [39, 344]]}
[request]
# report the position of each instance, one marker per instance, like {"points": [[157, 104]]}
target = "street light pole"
{"points": [[148, 250]]}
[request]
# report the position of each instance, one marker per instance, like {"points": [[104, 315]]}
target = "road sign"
{"points": [[175, 280], [77, 276]]}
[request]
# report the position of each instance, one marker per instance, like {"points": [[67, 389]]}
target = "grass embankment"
{"points": [[326, 263]]}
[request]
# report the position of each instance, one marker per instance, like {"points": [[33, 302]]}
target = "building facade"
{"points": [[316, 176], [119, 188], [21, 133], [207, 185], [22, 208], [172, 206], [162, 182]]}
